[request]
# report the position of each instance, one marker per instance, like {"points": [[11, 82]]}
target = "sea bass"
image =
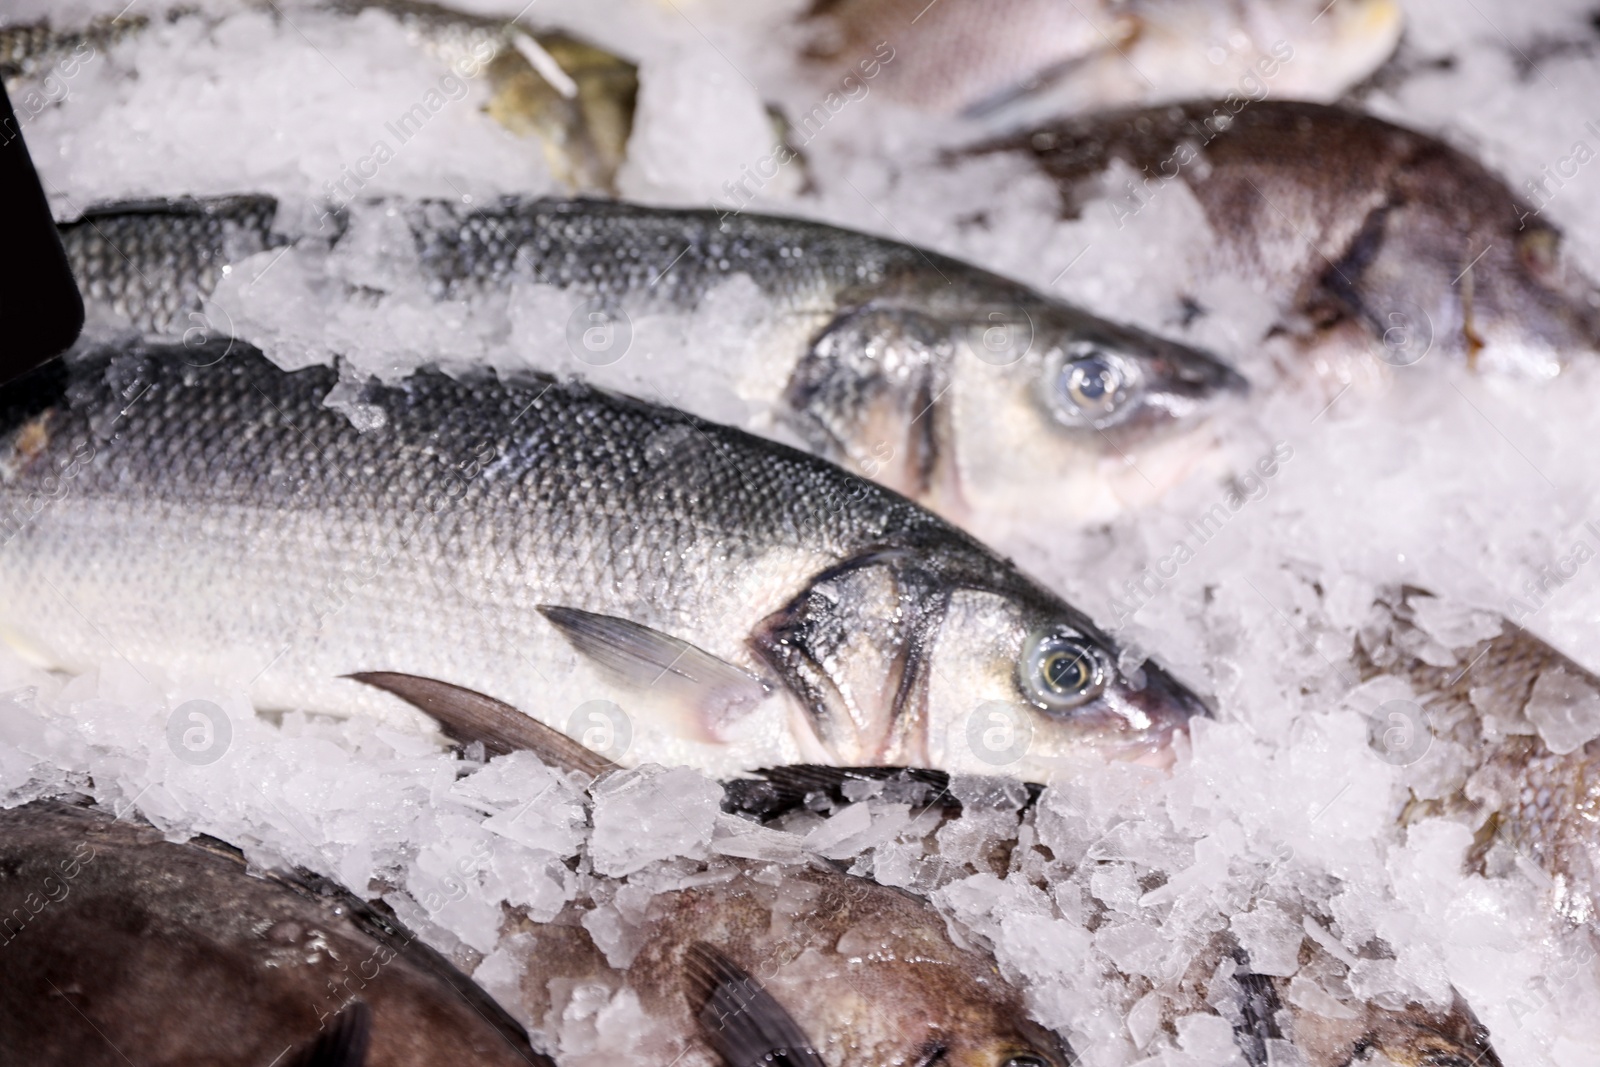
{"points": [[1528, 718], [973, 57], [859, 974], [122, 946], [1347, 221], [202, 510], [972, 394], [576, 98]]}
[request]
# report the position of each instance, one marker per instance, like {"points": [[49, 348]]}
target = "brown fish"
{"points": [[1265, 1020], [870, 973], [1525, 800], [1345, 220], [121, 946]]}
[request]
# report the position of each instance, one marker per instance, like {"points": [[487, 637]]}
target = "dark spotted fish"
{"points": [[1346, 220], [747, 956], [1531, 806], [121, 946]]}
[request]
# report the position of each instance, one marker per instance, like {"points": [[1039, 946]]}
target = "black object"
{"points": [[41, 313], [779, 790]]}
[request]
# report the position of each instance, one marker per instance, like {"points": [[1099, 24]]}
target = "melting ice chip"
{"points": [[1565, 710]]}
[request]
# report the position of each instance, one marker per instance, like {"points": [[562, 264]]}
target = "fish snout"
{"points": [[1166, 703]]}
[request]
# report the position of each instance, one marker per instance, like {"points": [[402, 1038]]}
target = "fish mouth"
{"points": [[1183, 385], [1163, 707]]}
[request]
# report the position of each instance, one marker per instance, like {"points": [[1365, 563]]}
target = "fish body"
{"points": [[855, 972], [1333, 1029], [577, 99], [1345, 218], [122, 946], [966, 56], [974, 395], [739, 602], [1496, 696], [869, 973]]}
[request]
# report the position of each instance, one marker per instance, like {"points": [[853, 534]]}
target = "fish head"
{"points": [[1081, 419], [1476, 271], [1022, 681], [943, 655], [887, 984], [1527, 308]]}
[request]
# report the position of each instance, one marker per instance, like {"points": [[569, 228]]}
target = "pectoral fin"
{"points": [[466, 715], [715, 691], [743, 1023]]}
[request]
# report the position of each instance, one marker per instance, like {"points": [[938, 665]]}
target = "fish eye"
{"points": [[1540, 251], [1092, 384], [1061, 672]]}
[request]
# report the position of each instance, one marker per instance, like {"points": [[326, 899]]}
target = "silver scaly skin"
{"points": [[976, 396], [744, 603]]}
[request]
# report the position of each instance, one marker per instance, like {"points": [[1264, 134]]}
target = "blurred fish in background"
{"points": [[576, 99], [974, 57]]}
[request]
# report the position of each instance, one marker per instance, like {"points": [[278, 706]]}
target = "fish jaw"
{"points": [[988, 711], [1023, 448], [999, 402]]}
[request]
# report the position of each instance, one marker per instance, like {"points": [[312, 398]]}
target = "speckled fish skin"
{"points": [[1265, 1016], [870, 972], [150, 265], [202, 510], [122, 946], [1345, 217], [927, 374], [1526, 802]]}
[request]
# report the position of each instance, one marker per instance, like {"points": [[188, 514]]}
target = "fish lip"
{"points": [[1169, 703], [1197, 374]]}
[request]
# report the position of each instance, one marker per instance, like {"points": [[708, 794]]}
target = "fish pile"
{"points": [[582, 618]]}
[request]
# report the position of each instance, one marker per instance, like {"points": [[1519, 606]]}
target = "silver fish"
{"points": [[202, 510], [974, 395], [122, 946], [1347, 220]]}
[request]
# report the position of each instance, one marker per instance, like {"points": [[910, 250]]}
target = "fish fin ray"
{"points": [[743, 1023], [466, 715], [639, 657]]}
